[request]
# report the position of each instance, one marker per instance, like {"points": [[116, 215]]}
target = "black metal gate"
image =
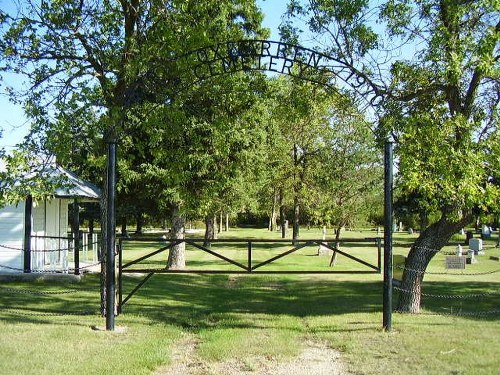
{"points": [[250, 265]]}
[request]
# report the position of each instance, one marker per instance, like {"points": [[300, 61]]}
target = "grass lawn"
{"points": [[254, 316]]}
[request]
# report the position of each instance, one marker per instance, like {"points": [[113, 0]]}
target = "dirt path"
{"points": [[315, 359]]}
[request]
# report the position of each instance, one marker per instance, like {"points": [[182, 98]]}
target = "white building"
{"points": [[34, 235]]}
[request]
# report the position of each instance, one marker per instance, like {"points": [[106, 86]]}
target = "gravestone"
{"points": [[476, 245], [322, 249], [471, 258], [455, 262]]}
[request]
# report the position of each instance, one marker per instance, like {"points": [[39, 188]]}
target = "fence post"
{"points": [[28, 206], [110, 236], [249, 257], [76, 235], [388, 219]]}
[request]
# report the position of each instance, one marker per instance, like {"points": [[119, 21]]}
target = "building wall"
{"points": [[12, 237], [49, 222], [50, 218]]}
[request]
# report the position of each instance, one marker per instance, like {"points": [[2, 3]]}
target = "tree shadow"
{"points": [[191, 301], [45, 302], [469, 300]]}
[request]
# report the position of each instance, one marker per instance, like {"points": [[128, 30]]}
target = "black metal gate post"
{"points": [[110, 236], [28, 220], [388, 222]]}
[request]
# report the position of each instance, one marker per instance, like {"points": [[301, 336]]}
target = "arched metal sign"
{"points": [[275, 57]]}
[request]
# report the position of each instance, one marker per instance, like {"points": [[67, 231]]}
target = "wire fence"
{"points": [[52, 254], [49, 256], [479, 303], [31, 308]]}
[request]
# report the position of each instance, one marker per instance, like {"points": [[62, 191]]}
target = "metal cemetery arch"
{"points": [[277, 57]]}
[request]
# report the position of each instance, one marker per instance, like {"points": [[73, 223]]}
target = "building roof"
{"points": [[71, 185], [74, 186]]}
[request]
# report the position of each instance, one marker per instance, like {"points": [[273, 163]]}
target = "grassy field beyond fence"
{"points": [[46, 325]]}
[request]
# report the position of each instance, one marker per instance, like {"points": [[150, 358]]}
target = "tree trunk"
{"points": [[139, 223], [219, 229], [427, 245], [296, 215], [124, 227], [209, 230], [282, 214], [226, 227], [274, 214], [177, 254]]}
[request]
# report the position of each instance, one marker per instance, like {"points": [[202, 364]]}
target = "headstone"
{"points": [[410, 231], [462, 232], [400, 227], [322, 249], [455, 262], [476, 245], [471, 259], [459, 250]]}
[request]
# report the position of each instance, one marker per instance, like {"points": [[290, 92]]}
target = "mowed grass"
{"points": [[257, 316]]}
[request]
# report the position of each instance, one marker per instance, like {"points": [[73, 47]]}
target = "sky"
{"points": [[15, 126]]}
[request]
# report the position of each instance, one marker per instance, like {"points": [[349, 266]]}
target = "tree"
{"points": [[103, 57], [350, 174], [440, 102]]}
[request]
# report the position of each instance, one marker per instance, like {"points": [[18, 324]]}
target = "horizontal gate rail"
{"points": [[332, 245]]}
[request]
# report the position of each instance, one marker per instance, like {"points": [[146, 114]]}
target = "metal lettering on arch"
{"points": [[278, 57]]}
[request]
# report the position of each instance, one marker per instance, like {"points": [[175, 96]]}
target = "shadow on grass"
{"points": [[470, 300], [189, 301], [43, 302]]}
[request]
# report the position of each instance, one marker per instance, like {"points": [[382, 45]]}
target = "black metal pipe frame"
{"points": [[27, 233], [388, 222], [248, 269], [110, 236]]}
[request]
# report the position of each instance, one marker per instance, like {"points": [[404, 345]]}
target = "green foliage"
{"points": [[23, 174]]}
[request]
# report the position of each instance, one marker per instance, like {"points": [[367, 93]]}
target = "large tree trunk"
{"points": [[427, 245], [139, 223], [210, 224], [177, 254]]}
